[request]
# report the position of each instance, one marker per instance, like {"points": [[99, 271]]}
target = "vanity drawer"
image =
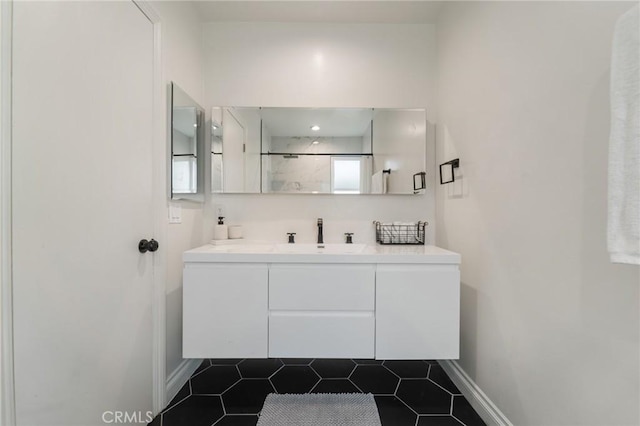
{"points": [[321, 335], [322, 287]]}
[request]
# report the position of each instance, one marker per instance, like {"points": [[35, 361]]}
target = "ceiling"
{"points": [[359, 11]]}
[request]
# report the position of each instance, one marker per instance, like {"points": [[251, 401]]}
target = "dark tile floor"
{"points": [[230, 392]]}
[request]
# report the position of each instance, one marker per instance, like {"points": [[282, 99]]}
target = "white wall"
{"points": [[550, 328], [182, 64], [320, 65]]}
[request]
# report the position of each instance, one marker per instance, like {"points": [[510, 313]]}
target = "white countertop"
{"points": [[276, 253]]}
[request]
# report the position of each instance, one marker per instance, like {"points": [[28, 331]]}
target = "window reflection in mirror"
{"points": [[350, 175], [186, 146]]}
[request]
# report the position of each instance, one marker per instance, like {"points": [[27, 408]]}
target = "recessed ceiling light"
{"points": [[195, 125], [315, 128], [215, 127], [315, 142]]}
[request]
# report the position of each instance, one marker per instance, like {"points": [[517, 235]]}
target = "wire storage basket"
{"points": [[400, 232]]}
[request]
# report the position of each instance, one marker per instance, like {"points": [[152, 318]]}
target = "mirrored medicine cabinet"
{"points": [[187, 146], [318, 150]]}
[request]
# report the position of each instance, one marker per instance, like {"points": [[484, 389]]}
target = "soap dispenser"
{"points": [[220, 231]]}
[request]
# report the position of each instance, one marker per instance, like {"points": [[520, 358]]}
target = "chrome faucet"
{"points": [[320, 239]]}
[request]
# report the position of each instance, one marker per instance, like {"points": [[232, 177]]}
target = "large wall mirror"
{"points": [[187, 147], [318, 150]]}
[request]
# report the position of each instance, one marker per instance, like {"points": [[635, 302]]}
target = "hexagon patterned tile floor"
{"points": [[231, 392], [214, 380], [295, 379], [333, 368]]}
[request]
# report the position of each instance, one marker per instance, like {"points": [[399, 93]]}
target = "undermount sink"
{"points": [[320, 248]]}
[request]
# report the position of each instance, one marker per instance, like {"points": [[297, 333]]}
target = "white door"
{"points": [[82, 192]]}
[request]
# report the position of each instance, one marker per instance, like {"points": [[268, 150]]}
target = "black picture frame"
{"points": [[419, 182], [454, 164]]}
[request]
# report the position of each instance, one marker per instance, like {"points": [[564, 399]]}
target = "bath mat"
{"points": [[320, 409]]}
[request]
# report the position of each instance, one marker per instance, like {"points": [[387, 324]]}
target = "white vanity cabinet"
{"points": [[382, 302], [225, 310], [321, 311], [417, 311]]}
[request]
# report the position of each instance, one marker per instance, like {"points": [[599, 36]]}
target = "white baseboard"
{"points": [[180, 375], [480, 402]]}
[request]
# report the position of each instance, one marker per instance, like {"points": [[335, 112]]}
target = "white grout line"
{"points": [[443, 388], [275, 372], [227, 389], [297, 365], [224, 412], [354, 384], [364, 366], [399, 379], [316, 373], [407, 405], [435, 415], [199, 372], [224, 408], [314, 370], [395, 392], [353, 369], [173, 405], [446, 375], [231, 415], [315, 385], [459, 421], [391, 371]]}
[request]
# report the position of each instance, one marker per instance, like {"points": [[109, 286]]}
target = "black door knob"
{"points": [[153, 245], [143, 246]]}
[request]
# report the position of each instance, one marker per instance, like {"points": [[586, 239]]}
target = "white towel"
{"points": [[379, 183], [624, 143]]}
